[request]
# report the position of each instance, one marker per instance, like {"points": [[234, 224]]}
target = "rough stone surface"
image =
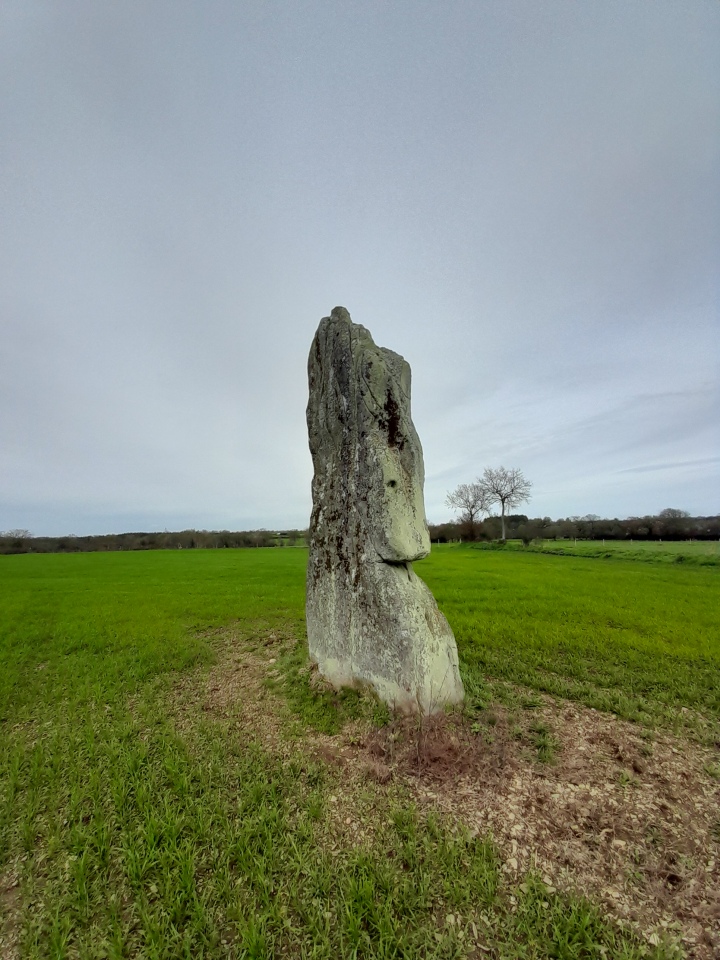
{"points": [[370, 619]]}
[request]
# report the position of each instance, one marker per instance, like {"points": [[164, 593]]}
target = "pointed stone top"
{"points": [[340, 313]]}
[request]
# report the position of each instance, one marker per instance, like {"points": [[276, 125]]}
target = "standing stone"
{"points": [[371, 621]]}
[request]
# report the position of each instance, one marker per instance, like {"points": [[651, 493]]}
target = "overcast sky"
{"points": [[521, 197]]}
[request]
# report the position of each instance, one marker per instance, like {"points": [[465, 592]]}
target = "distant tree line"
{"points": [[476, 505], [22, 541], [668, 524]]}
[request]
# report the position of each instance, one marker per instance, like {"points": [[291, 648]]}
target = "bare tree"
{"points": [[672, 513], [471, 500], [590, 519], [509, 488]]}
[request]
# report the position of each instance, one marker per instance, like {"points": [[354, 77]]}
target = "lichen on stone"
{"points": [[371, 620]]}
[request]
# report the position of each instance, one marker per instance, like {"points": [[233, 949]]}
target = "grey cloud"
{"points": [[519, 197], [672, 465]]}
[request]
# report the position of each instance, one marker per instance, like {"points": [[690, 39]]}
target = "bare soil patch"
{"points": [[629, 819], [234, 691], [9, 917]]}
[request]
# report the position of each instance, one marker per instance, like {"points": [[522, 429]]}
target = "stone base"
{"points": [[385, 633]]}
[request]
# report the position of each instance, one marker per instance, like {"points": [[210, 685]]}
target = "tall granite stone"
{"points": [[371, 621]]}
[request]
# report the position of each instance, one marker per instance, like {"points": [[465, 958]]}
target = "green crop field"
{"points": [[703, 552], [637, 638], [126, 832]]}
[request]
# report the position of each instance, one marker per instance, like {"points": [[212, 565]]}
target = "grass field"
{"points": [[703, 552], [638, 638], [124, 833]]}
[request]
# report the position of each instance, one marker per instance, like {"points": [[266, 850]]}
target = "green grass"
{"points": [[323, 709], [700, 552], [639, 639], [140, 844], [133, 836], [91, 625]]}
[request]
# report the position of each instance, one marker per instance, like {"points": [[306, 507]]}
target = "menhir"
{"points": [[371, 621]]}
